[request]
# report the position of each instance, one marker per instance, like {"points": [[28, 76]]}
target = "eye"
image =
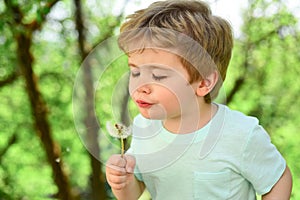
{"points": [[135, 74], [158, 78]]}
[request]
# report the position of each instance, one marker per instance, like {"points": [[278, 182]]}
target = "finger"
{"points": [[116, 182], [130, 163], [115, 170], [117, 186], [117, 160], [116, 165], [116, 179]]}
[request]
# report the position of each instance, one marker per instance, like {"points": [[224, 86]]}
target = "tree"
{"points": [[22, 33], [90, 121], [22, 24]]}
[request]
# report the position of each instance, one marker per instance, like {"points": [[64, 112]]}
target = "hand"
{"points": [[119, 171]]}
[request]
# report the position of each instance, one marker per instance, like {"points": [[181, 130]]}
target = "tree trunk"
{"points": [[40, 112], [92, 128]]}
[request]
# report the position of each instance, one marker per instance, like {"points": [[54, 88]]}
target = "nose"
{"points": [[140, 85], [144, 89]]}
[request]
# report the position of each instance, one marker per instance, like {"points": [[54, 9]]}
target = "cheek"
{"points": [[131, 86], [168, 97], [182, 91], [182, 98]]}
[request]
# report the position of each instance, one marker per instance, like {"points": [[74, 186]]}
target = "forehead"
{"points": [[154, 56]]}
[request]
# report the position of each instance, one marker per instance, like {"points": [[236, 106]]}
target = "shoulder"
{"points": [[244, 130], [237, 121], [237, 127]]}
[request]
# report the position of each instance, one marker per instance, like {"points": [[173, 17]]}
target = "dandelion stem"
{"points": [[122, 147], [121, 132]]}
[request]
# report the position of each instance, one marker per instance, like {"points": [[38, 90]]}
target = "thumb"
{"points": [[130, 163]]}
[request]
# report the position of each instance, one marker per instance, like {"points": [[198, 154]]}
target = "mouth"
{"points": [[143, 104]]}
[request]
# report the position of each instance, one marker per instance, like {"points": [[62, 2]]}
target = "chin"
{"points": [[153, 116]]}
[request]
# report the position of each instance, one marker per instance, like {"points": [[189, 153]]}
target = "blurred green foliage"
{"points": [[266, 58]]}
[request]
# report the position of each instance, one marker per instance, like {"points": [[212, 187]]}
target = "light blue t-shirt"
{"points": [[232, 157]]}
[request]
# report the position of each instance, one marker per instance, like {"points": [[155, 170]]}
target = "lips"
{"points": [[143, 104]]}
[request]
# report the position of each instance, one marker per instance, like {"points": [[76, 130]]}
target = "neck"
{"points": [[190, 122]]}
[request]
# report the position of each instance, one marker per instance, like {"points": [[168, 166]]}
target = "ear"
{"points": [[207, 84]]}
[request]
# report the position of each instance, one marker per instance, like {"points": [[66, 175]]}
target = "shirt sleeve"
{"points": [[262, 164]]}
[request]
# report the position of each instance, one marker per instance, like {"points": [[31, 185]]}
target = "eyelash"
{"points": [[156, 78], [135, 74]]}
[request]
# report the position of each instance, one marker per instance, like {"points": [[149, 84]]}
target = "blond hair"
{"points": [[190, 28]]}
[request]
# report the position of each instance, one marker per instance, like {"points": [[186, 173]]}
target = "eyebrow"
{"points": [[132, 65], [152, 66]]}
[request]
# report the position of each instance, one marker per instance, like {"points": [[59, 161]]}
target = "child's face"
{"points": [[159, 85]]}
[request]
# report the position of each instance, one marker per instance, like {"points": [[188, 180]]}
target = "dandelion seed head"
{"points": [[118, 130]]}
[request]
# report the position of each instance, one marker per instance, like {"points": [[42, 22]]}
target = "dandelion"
{"points": [[119, 131]]}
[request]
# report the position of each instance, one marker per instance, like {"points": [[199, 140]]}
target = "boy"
{"points": [[185, 146]]}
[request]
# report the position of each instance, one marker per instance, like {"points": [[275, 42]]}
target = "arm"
{"points": [[282, 189], [119, 174]]}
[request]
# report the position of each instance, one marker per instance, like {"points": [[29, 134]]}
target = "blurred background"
{"points": [[53, 146]]}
